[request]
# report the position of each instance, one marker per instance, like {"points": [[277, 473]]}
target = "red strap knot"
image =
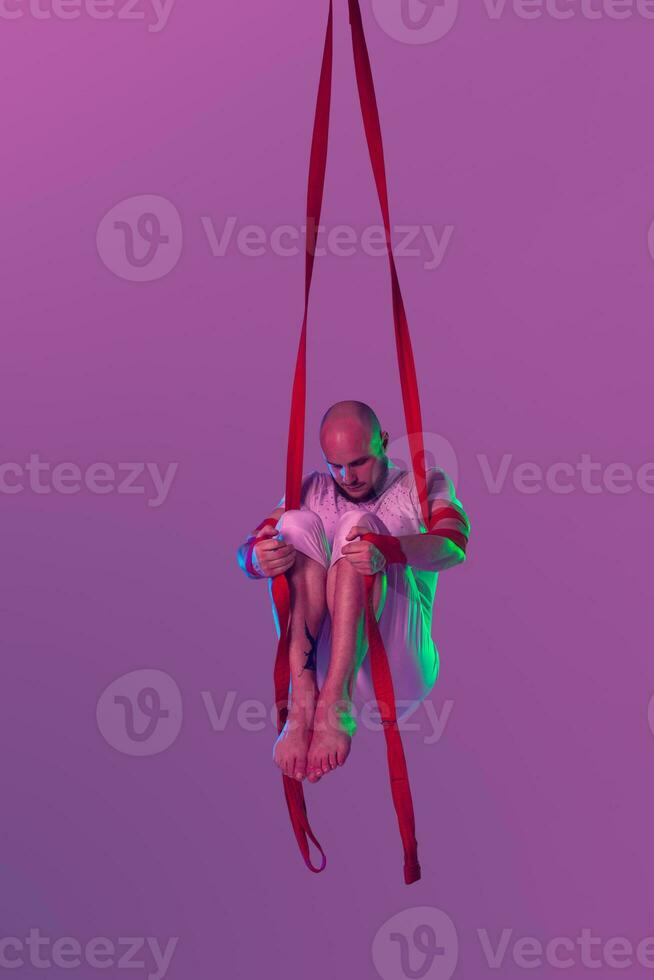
{"points": [[389, 546]]}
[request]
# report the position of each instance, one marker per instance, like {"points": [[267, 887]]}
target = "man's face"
{"points": [[356, 462]]}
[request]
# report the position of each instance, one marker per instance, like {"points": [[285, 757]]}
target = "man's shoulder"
{"points": [[311, 483], [313, 478], [314, 484], [441, 492], [439, 482]]}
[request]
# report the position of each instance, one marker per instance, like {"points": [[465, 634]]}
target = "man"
{"points": [[317, 548]]}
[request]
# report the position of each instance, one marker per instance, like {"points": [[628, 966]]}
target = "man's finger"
{"points": [[276, 557], [355, 548], [265, 532], [275, 545], [279, 567]]}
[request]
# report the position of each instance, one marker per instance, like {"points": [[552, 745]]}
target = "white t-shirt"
{"points": [[397, 505]]}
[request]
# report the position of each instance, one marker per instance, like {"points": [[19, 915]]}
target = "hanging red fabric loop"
{"points": [[380, 670], [295, 455]]}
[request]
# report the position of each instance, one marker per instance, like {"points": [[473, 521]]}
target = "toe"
{"points": [[316, 762]]}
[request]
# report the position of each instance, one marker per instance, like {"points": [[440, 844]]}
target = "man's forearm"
{"points": [[240, 557], [430, 552], [241, 554]]}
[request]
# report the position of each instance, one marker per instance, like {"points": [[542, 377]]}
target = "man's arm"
{"points": [[269, 531], [261, 533], [433, 552]]}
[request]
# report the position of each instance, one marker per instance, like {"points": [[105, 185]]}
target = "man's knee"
{"points": [[305, 531], [346, 522], [304, 519]]}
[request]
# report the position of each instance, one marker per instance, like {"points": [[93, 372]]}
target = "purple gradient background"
{"points": [[534, 811]]}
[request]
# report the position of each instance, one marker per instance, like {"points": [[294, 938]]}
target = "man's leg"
{"points": [[333, 723], [307, 581]]}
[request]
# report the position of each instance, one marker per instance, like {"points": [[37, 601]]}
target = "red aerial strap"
{"points": [[381, 675], [295, 455]]}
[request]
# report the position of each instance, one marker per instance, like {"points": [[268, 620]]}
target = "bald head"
{"points": [[350, 415], [354, 448]]}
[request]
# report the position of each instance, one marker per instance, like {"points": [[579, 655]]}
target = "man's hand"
{"points": [[366, 558], [274, 556]]}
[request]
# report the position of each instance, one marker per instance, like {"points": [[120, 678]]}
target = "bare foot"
{"points": [[333, 727], [292, 745]]}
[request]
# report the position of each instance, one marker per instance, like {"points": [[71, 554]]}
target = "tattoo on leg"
{"points": [[311, 654]]}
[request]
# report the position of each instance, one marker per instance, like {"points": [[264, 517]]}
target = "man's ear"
{"points": [[384, 440]]}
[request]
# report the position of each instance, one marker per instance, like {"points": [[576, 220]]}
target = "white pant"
{"points": [[412, 656]]}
